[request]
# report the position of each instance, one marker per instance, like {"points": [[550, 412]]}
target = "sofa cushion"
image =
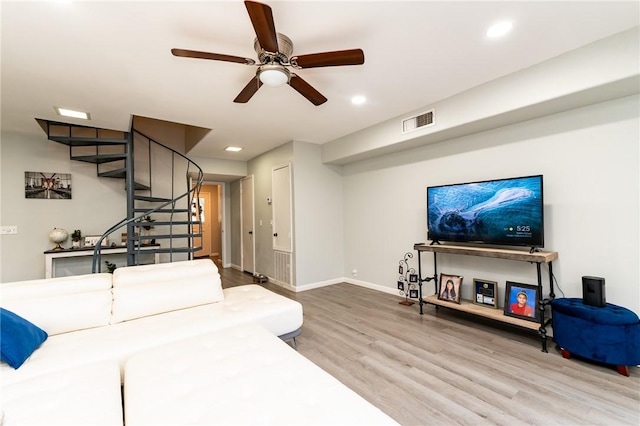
{"points": [[117, 342], [140, 291], [240, 375], [60, 305], [18, 338], [82, 395]]}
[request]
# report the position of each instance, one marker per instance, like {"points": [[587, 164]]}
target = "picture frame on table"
{"points": [[92, 240], [485, 293], [449, 287], [521, 301]]}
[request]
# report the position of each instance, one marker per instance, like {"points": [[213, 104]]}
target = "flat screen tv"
{"points": [[498, 212]]}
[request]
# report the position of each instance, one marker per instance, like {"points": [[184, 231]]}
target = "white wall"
{"points": [[589, 158], [261, 167], [318, 216], [96, 204]]}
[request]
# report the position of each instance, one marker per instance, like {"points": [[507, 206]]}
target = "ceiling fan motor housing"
{"points": [[285, 49]]}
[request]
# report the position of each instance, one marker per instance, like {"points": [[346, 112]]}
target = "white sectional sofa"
{"points": [[95, 323]]}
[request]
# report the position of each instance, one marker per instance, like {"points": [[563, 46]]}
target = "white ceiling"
{"points": [[113, 59]]}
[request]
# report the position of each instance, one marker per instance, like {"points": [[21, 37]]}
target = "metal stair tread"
{"points": [[137, 186], [165, 236], [141, 210], [174, 250], [78, 141], [116, 173], [169, 223], [99, 158], [151, 199]]}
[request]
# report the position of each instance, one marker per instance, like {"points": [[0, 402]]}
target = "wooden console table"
{"points": [[51, 255], [537, 257]]}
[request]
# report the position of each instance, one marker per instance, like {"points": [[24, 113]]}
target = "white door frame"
{"points": [[253, 224], [223, 223]]}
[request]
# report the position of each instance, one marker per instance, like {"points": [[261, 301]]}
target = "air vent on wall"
{"points": [[422, 120]]}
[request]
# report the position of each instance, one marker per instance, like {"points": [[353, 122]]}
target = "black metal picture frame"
{"points": [[485, 292], [521, 301]]}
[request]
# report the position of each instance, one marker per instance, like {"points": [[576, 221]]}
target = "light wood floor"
{"points": [[447, 368]]}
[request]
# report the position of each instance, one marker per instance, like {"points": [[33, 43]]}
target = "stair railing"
{"points": [[192, 193]]}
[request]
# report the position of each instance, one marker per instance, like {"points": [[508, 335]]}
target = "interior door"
{"points": [[281, 205], [205, 228], [247, 224]]}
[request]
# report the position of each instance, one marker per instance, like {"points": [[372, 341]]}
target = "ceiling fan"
{"points": [[274, 55]]}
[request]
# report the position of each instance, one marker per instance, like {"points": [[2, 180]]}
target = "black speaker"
{"points": [[593, 291]]}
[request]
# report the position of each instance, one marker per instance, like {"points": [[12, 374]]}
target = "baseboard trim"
{"points": [[359, 283], [319, 284], [372, 286]]}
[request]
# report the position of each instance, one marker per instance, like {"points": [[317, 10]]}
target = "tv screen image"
{"points": [[500, 212]]}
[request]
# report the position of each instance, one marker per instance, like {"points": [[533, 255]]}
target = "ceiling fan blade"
{"points": [[329, 59], [262, 20], [213, 56], [249, 90], [306, 90]]}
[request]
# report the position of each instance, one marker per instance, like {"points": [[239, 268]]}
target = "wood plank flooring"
{"points": [[447, 368]]}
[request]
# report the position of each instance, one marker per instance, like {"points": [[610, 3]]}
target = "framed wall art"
{"points": [[520, 301], [449, 287], [47, 186], [485, 292]]}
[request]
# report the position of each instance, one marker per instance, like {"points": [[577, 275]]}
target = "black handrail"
{"points": [[192, 192]]}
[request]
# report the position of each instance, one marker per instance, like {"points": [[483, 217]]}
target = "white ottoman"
{"points": [[242, 375], [85, 395]]}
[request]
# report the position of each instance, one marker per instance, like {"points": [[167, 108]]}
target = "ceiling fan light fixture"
{"points": [[273, 75]]}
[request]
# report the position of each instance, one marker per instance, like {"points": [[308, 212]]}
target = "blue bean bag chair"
{"points": [[609, 334]]}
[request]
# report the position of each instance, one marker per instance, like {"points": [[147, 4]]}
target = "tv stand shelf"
{"points": [[537, 257], [469, 307]]}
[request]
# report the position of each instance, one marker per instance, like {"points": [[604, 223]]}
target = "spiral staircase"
{"points": [[151, 172]]}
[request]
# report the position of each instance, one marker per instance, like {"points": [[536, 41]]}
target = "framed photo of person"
{"points": [[449, 287], [486, 292], [521, 300]]}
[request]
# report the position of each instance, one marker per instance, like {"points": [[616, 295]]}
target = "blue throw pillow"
{"points": [[18, 338]]}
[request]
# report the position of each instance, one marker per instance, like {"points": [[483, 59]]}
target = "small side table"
{"points": [[51, 255]]}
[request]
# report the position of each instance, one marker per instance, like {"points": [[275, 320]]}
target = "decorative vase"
{"points": [[58, 236]]}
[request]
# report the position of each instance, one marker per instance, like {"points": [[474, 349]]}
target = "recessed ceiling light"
{"points": [[499, 29], [65, 112], [358, 100], [233, 148]]}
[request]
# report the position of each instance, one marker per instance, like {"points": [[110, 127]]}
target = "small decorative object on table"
{"points": [[450, 287], [110, 266], [486, 292], [58, 236], [407, 280], [76, 238], [521, 300], [92, 240], [147, 224]]}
